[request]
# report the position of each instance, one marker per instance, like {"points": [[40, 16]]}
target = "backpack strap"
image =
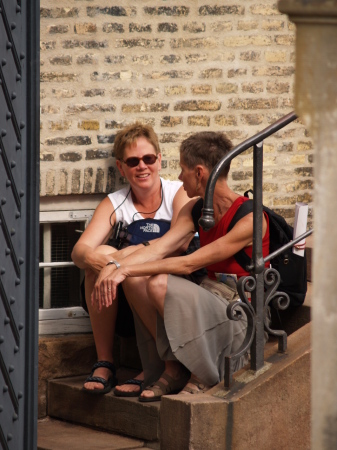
{"points": [[241, 256], [196, 213]]}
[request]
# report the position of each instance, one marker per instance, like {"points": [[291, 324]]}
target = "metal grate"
{"points": [[59, 286], [41, 271]]}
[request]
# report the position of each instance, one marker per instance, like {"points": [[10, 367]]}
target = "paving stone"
{"points": [[57, 435]]}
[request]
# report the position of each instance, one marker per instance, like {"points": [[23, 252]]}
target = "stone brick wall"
{"points": [[181, 66]]}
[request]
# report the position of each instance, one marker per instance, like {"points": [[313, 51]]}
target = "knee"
{"points": [[106, 249], [156, 287], [89, 274]]}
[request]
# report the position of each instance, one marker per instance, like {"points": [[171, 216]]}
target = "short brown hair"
{"points": [[206, 148], [128, 136]]}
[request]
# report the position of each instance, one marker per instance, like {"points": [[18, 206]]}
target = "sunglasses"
{"points": [[133, 161]]}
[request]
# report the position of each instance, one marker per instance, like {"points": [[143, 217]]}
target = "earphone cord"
{"points": [[162, 197], [118, 207]]}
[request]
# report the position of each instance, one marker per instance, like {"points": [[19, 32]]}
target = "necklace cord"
{"points": [[138, 212], [162, 197]]}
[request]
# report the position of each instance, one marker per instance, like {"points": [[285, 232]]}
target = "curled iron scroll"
{"points": [[235, 311], [279, 300]]}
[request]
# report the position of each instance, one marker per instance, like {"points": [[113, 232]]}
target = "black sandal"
{"points": [[130, 394], [108, 384]]}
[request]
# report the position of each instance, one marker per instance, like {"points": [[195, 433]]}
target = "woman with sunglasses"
{"points": [[191, 333], [147, 196]]}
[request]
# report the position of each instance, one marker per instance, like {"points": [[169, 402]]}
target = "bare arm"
{"points": [[172, 241], [221, 249], [175, 239], [180, 199], [96, 233], [85, 254]]}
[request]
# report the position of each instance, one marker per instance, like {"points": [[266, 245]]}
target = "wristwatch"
{"points": [[114, 262]]}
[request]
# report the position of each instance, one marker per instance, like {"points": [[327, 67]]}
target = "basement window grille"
{"points": [[60, 300]]}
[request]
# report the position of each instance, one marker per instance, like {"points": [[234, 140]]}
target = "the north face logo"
{"points": [[151, 228]]}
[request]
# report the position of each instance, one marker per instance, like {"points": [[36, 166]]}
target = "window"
{"points": [[60, 280]]}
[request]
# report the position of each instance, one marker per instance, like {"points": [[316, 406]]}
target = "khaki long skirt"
{"points": [[195, 331]]}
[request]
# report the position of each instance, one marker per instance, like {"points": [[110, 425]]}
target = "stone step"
{"points": [[57, 435], [127, 416], [275, 401], [67, 401]]}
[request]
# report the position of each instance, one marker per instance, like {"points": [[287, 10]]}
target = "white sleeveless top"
{"points": [[127, 213]]}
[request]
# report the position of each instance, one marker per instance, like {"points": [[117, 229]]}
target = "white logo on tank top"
{"points": [[151, 228]]}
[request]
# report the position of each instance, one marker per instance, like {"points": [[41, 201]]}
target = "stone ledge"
{"points": [[300, 9], [278, 400]]}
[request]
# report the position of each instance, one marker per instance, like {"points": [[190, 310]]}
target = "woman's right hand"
{"points": [[105, 289]]}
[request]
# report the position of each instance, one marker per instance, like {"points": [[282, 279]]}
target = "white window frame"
{"points": [[62, 320]]}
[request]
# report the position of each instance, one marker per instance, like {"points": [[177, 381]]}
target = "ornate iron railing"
{"points": [[262, 283]]}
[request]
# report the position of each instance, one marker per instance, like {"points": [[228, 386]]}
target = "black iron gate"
{"points": [[19, 168]]}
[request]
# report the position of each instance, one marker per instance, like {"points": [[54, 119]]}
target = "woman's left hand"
{"points": [[105, 289]]}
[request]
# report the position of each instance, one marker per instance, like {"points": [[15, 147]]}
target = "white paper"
{"points": [[300, 226]]}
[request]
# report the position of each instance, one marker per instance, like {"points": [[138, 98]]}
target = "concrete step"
{"points": [[275, 401], [57, 435], [279, 395], [127, 416]]}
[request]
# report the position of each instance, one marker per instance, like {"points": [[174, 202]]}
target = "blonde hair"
{"points": [[129, 135]]}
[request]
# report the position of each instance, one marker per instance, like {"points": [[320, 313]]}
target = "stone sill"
{"points": [[70, 202]]}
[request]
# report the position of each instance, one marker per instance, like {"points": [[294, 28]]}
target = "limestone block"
{"points": [[267, 410]]}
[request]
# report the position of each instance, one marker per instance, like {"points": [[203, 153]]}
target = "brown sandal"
{"points": [[200, 387], [159, 388]]}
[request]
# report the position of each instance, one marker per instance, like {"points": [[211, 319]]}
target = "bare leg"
{"points": [[103, 323], [135, 292], [156, 291], [103, 326]]}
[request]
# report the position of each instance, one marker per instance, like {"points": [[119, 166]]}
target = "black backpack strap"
{"points": [[241, 256], [196, 213], [243, 210], [246, 194]]}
